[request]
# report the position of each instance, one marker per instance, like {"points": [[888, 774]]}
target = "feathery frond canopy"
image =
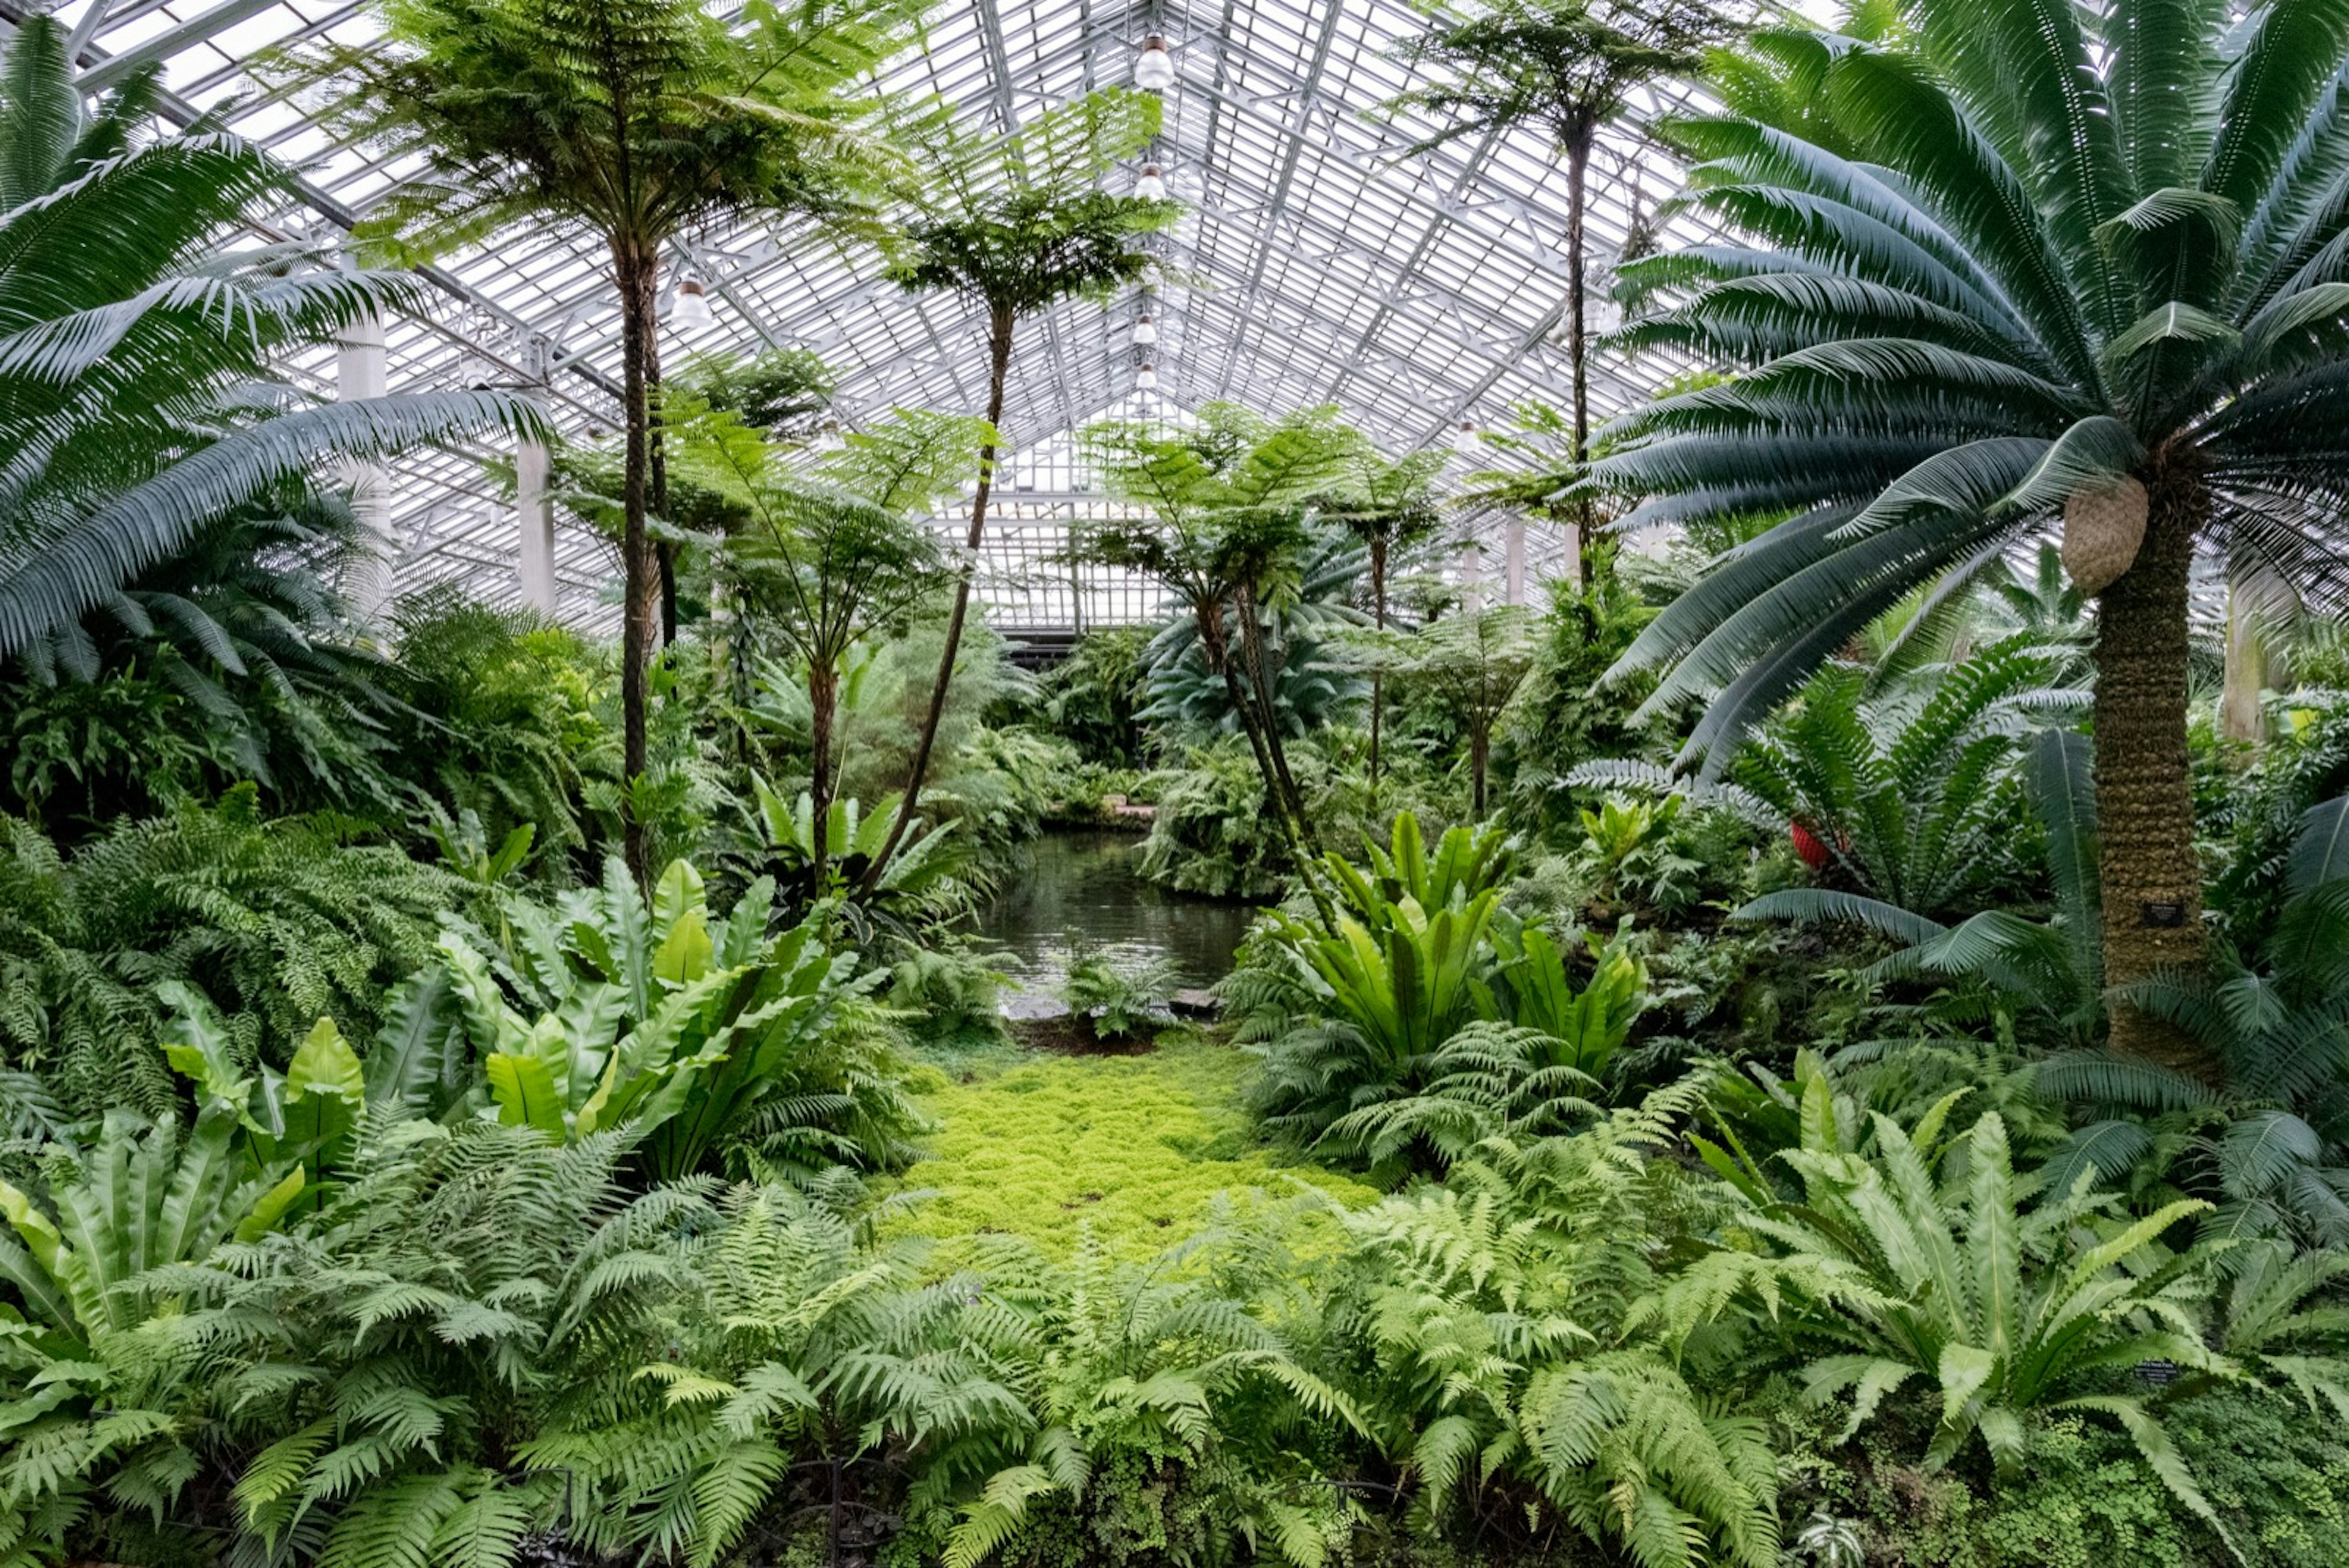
{"points": [[1020, 223], [1566, 64], [140, 399], [635, 120]]}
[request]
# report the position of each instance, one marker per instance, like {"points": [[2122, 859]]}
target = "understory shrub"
{"points": [[1213, 832], [1428, 1019], [1119, 996], [275, 922]]}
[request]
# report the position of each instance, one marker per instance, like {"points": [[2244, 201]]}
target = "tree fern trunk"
{"points": [[1216, 650], [823, 702], [1268, 715], [1000, 329], [657, 471], [641, 581], [2145, 800], [1578, 185], [1378, 675]]}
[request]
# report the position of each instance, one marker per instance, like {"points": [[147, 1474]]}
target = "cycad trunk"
{"points": [[999, 328], [637, 275], [2145, 798]]}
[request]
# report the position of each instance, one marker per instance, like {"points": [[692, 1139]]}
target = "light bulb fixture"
{"points": [[689, 312], [829, 439], [1146, 379], [1145, 330], [1155, 71], [1152, 186], [1464, 439]]}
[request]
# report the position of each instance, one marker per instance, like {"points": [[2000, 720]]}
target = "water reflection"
{"points": [[1082, 890]]}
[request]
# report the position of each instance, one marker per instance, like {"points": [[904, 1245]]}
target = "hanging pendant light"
{"points": [[1146, 379], [1152, 186], [1464, 439], [1145, 330], [689, 312], [1155, 71], [829, 438]]}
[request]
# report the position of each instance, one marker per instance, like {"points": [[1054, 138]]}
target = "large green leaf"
{"points": [[2320, 847], [525, 1093]]}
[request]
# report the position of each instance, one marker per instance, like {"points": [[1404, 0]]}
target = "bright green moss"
{"points": [[1136, 1146]]}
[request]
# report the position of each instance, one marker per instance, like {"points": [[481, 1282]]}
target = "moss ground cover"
{"points": [[1135, 1147]]}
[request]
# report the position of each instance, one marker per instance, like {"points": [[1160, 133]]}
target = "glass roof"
{"points": [[1321, 260]]}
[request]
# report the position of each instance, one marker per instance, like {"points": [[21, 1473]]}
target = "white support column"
{"points": [[360, 371], [533, 528], [2257, 599], [1513, 561]]}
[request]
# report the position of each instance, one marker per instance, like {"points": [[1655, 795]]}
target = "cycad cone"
{"points": [[2102, 531]]}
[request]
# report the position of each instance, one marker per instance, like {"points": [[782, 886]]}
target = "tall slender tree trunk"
{"points": [[1218, 654], [636, 272], [657, 474], [1577, 182], [999, 328], [823, 704], [1269, 712], [1378, 674], [2145, 798], [1480, 753]]}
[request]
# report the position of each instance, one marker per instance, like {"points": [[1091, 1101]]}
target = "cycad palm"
{"points": [[135, 350], [2035, 254]]}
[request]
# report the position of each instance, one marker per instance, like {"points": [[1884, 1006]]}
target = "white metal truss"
{"points": [[1322, 259]]}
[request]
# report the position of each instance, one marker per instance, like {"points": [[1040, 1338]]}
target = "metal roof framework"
{"points": [[1321, 259]]}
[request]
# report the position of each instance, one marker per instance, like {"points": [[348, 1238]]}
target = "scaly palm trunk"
{"points": [[999, 326], [637, 272], [2145, 799]]}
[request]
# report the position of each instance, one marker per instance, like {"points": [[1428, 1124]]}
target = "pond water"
{"points": [[1083, 890]]}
